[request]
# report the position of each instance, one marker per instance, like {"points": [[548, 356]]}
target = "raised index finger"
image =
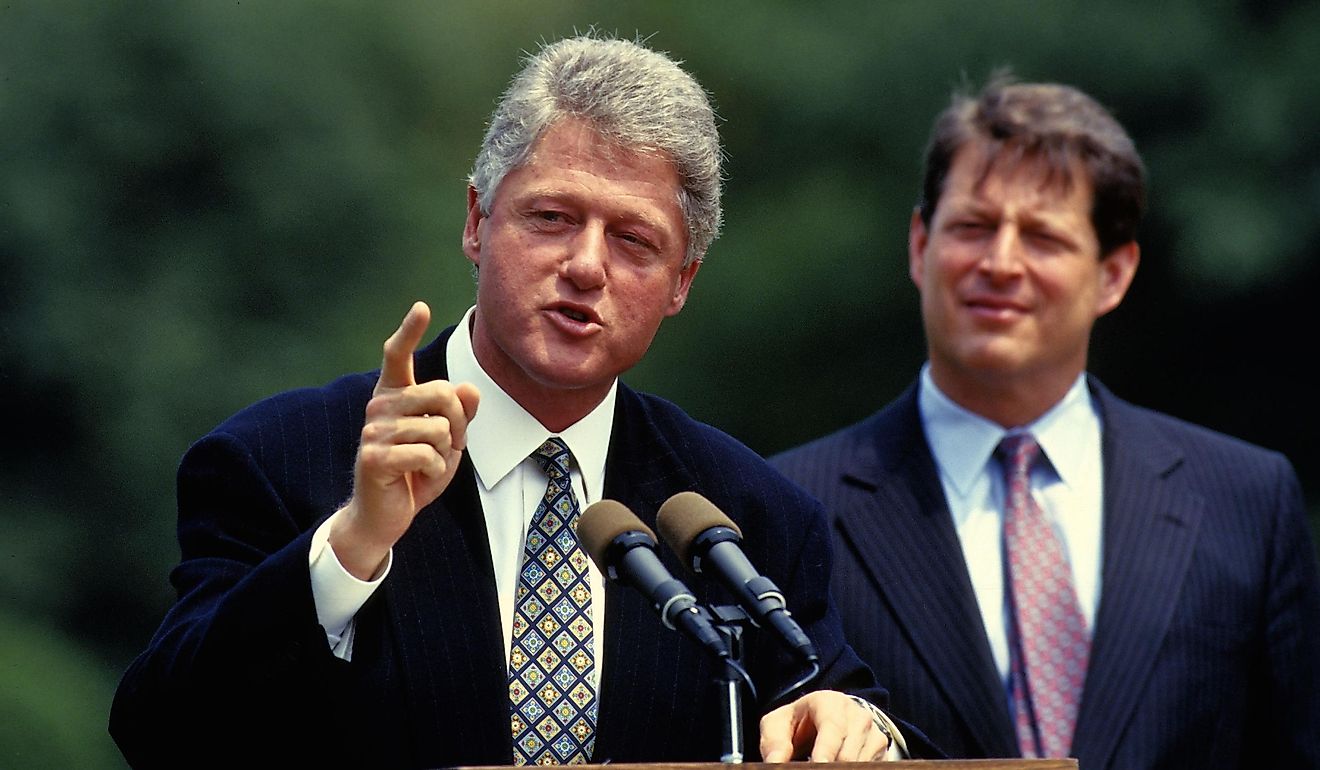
{"points": [[396, 370]]}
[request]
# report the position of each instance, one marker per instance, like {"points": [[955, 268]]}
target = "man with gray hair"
{"points": [[376, 573]]}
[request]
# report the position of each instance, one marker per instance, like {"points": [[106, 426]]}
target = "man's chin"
{"points": [[573, 377], [991, 354]]}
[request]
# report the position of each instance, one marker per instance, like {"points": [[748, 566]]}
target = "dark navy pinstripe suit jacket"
{"points": [[1206, 650], [239, 671]]}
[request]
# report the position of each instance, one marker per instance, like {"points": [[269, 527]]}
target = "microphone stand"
{"points": [[730, 622]]}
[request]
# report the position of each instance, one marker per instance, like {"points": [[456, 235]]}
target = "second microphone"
{"points": [[709, 542]]}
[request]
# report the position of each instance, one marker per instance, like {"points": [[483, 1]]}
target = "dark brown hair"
{"points": [[1048, 123]]}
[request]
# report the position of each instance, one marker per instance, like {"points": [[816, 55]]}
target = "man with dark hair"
{"points": [[1038, 567], [375, 573]]}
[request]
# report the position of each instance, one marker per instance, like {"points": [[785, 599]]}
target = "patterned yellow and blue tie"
{"points": [[552, 660]]}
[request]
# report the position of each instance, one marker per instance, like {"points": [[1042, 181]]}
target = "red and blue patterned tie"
{"points": [[1050, 648], [552, 660]]}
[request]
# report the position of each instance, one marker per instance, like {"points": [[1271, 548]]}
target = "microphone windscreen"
{"points": [[686, 515], [601, 523]]}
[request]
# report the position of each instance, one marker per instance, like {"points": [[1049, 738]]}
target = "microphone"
{"points": [[709, 541], [625, 550]]}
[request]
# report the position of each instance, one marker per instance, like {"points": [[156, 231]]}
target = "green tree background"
{"points": [[204, 203]]}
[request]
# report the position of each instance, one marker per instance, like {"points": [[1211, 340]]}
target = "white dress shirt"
{"points": [[1068, 488], [501, 439]]}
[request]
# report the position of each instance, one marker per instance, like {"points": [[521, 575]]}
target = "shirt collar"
{"points": [[503, 434], [959, 439], [963, 441], [1067, 431]]}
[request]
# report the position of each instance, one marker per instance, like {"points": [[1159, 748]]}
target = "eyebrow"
{"points": [[641, 218], [971, 205]]}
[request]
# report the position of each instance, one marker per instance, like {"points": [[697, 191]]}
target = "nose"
{"points": [[1003, 256], [584, 264]]}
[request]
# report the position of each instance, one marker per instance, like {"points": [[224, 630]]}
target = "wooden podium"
{"points": [[921, 764]]}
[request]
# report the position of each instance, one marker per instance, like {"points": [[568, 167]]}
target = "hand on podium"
{"points": [[824, 726]]}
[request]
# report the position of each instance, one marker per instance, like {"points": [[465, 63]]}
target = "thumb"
{"points": [[469, 397]]}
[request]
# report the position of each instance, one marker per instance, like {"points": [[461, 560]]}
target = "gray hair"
{"points": [[637, 98]]}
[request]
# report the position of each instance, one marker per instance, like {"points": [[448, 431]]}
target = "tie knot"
{"points": [[1017, 452], [553, 457]]}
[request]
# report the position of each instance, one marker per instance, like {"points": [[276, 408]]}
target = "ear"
{"points": [[679, 298], [1117, 269], [917, 239], [472, 228]]}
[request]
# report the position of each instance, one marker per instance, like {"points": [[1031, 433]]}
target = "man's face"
{"points": [[580, 259], [1010, 276]]}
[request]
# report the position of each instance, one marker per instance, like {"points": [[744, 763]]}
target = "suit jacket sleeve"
{"points": [[241, 651], [1284, 718]]}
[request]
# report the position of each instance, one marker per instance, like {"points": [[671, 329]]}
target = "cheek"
{"points": [[943, 277], [644, 289], [1069, 296]]}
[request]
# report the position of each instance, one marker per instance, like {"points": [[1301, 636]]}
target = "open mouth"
{"points": [[575, 315]]}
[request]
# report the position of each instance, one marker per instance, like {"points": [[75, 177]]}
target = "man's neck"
{"points": [[1009, 402], [556, 408]]}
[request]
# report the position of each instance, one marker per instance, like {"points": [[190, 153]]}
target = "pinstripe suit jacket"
{"points": [[1206, 648], [240, 673]]}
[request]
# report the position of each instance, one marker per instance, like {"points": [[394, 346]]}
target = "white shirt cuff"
{"points": [[337, 594]]}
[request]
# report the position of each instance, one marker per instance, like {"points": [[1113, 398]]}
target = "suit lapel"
{"points": [[443, 605], [915, 561], [1150, 530], [641, 473], [442, 597]]}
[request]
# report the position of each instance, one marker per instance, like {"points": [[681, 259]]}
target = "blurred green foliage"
{"points": [[53, 692], [204, 203]]}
